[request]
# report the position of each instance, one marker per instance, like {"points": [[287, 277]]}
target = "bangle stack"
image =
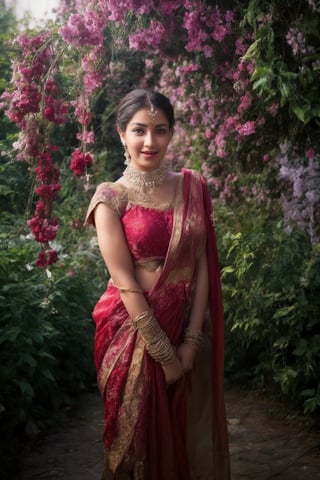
{"points": [[156, 341], [193, 337]]}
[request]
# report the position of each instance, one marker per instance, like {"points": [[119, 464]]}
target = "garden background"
{"points": [[244, 79]]}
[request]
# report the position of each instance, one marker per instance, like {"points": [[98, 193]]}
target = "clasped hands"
{"points": [[175, 362], [183, 363]]}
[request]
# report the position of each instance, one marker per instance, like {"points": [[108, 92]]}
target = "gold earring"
{"points": [[126, 154]]}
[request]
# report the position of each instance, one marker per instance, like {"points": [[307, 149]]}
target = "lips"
{"points": [[149, 154]]}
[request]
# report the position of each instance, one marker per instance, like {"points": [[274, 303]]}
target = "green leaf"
{"points": [[301, 112], [25, 387]]}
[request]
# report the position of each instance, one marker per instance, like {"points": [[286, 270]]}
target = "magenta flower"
{"points": [[310, 154], [46, 258], [80, 161]]}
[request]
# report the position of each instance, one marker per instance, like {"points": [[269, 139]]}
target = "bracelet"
{"points": [[156, 341], [124, 290], [193, 337]]}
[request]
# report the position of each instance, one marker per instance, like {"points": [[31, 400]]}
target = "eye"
{"points": [[161, 131], [138, 130]]}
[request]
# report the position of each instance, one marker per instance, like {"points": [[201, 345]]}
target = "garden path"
{"points": [[265, 444]]}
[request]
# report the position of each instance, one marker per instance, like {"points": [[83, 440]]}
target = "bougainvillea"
{"points": [[242, 79]]}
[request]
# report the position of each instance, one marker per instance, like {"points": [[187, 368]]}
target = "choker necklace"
{"points": [[145, 179]]}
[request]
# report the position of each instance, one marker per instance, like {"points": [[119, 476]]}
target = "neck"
{"points": [[145, 179]]}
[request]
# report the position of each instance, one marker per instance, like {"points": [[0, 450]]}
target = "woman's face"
{"points": [[147, 138]]}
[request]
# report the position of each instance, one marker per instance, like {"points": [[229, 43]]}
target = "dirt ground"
{"points": [[264, 443]]}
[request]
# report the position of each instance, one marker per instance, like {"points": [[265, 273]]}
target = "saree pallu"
{"points": [[159, 432]]}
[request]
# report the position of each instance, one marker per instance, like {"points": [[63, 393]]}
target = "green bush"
{"points": [[271, 284], [46, 338]]}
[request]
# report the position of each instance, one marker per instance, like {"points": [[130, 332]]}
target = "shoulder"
{"points": [[110, 188], [113, 195]]}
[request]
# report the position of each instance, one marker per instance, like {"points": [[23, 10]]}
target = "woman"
{"points": [[164, 409]]}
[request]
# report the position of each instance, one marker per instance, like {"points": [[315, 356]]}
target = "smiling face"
{"points": [[147, 138]]}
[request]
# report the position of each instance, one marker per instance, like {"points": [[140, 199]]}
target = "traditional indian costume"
{"points": [[155, 431]]}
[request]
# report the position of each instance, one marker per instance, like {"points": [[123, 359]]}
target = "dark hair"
{"points": [[138, 99]]}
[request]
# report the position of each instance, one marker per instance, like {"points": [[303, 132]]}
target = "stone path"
{"points": [[263, 444]]}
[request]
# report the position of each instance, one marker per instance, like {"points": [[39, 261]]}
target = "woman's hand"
{"points": [[173, 371], [187, 354]]}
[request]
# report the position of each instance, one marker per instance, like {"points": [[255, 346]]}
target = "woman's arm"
{"points": [[187, 352], [116, 254]]}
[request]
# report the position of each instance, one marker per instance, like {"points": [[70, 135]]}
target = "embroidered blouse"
{"points": [[147, 229]]}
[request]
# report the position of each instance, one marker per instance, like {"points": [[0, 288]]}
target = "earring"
{"points": [[126, 154]]}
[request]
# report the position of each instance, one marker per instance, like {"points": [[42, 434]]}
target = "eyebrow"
{"points": [[156, 126]]}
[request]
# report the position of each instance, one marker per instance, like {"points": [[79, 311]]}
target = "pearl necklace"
{"points": [[145, 179]]}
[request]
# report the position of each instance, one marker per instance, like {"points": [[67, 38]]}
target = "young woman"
{"points": [[159, 363]]}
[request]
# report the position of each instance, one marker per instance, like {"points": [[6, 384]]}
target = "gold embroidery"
{"points": [[176, 231], [120, 198], [112, 357], [114, 195], [130, 407], [147, 200]]}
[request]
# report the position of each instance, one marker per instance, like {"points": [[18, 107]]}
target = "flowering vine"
{"points": [[233, 92], [35, 103]]}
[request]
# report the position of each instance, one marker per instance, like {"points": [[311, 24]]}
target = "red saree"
{"points": [[160, 433]]}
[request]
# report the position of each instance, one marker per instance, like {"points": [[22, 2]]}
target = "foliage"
{"points": [[271, 285], [46, 337]]}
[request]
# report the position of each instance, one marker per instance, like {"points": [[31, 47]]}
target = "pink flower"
{"points": [[80, 161], [48, 192], [86, 136], [245, 129], [310, 154], [219, 33], [92, 81], [241, 48], [245, 102], [192, 67], [207, 51], [229, 16], [46, 258], [148, 39], [42, 226], [84, 29], [273, 109], [208, 133]]}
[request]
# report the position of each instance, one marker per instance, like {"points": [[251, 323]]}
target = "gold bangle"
{"points": [[156, 341], [124, 290], [193, 337]]}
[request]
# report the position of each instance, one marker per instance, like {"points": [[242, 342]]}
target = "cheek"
{"points": [[133, 143]]}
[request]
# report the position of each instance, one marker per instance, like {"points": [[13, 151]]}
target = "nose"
{"points": [[149, 138]]}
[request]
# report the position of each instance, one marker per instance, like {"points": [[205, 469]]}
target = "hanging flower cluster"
{"points": [[84, 31], [34, 105]]}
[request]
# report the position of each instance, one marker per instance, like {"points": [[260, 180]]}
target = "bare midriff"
{"points": [[147, 273]]}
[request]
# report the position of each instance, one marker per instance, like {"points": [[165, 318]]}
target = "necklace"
{"points": [[145, 179]]}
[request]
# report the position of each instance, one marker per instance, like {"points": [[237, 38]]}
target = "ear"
{"points": [[122, 135]]}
